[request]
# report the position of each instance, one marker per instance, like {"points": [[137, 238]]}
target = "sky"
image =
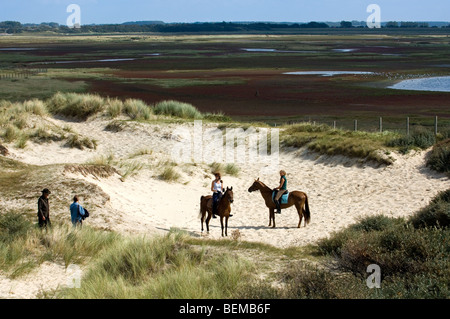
{"points": [[119, 11]]}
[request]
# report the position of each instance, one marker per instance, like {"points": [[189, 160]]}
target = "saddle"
{"points": [[284, 198]]}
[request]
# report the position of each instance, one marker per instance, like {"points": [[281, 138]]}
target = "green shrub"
{"points": [[375, 223], [308, 282], [217, 117], [419, 137], [177, 109], [439, 157], [76, 105], [325, 140], [412, 254], [137, 109], [436, 214], [13, 226], [307, 127]]}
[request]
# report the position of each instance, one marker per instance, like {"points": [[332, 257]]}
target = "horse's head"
{"points": [[255, 186], [229, 194]]}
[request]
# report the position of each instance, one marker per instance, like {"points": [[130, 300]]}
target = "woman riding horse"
{"points": [[282, 189], [223, 209], [297, 198]]}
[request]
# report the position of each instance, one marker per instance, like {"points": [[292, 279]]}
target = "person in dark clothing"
{"points": [[44, 209]]}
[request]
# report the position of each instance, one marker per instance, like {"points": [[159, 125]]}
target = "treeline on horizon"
{"points": [[13, 27]]}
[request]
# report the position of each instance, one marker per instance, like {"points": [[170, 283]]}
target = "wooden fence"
{"points": [[378, 124], [20, 73]]}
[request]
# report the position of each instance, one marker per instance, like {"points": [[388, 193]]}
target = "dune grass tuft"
{"points": [[323, 139], [169, 174], [76, 141], [137, 109], [80, 106], [177, 109]]}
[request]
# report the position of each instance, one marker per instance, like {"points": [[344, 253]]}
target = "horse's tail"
{"points": [[307, 212], [200, 214]]}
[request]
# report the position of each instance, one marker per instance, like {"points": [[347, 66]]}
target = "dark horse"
{"points": [[223, 209], [299, 199]]}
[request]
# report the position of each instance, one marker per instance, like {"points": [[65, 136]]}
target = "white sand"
{"points": [[47, 277], [340, 191]]}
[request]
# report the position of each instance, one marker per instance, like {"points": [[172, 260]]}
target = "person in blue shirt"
{"points": [[76, 212]]}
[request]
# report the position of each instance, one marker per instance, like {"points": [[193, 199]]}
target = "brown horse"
{"points": [[299, 199], [223, 209]]}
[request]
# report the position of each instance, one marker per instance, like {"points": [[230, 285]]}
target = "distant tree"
{"points": [[392, 24], [408, 24], [346, 24], [11, 27], [314, 24]]}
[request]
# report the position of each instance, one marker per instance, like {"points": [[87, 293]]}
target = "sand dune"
{"points": [[340, 190]]}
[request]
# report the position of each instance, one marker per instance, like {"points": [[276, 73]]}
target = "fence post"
{"points": [[334, 125], [356, 125], [381, 124], [407, 126], [435, 125]]}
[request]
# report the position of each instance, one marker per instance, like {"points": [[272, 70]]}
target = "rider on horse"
{"points": [[281, 190], [217, 189]]}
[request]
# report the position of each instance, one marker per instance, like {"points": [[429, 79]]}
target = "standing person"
{"points": [[281, 190], [217, 189], [76, 212], [44, 209]]}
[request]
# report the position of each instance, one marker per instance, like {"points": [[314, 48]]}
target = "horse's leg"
{"points": [[207, 221], [299, 207], [221, 223], [272, 217], [202, 219], [271, 212], [226, 226]]}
